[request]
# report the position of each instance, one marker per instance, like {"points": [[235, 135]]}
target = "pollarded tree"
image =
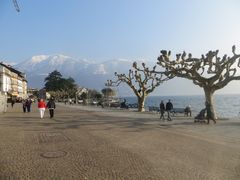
{"points": [[210, 72], [54, 82], [141, 80]]}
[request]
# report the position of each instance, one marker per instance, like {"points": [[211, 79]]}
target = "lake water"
{"points": [[226, 105]]}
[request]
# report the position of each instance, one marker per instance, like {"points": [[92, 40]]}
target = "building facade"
{"points": [[13, 83]]}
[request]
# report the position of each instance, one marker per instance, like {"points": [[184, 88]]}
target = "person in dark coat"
{"points": [[51, 106], [162, 110], [169, 107], [24, 105], [28, 105], [209, 112], [12, 102]]}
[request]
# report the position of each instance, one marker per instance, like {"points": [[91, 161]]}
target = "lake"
{"points": [[226, 105]]}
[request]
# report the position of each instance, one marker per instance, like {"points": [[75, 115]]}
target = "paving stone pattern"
{"points": [[90, 145], [32, 148]]}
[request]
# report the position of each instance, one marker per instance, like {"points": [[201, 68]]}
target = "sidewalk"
{"points": [[226, 130], [83, 143]]}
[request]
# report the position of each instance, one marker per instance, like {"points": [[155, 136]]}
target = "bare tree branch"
{"points": [[210, 71], [141, 80]]}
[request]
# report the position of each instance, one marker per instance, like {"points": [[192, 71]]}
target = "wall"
{"points": [[3, 103]]}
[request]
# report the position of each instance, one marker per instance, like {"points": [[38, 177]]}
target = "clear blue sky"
{"points": [[106, 29], [132, 29]]}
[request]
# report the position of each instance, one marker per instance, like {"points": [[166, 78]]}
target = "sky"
{"points": [[100, 30]]}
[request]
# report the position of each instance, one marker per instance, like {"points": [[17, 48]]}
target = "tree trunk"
{"points": [[209, 98], [141, 103]]}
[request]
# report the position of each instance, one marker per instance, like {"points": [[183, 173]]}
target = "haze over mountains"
{"points": [[93, 75], [86, 73]]}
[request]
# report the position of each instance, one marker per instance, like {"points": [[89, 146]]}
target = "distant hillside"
{"points": [[94, 74], [86, 73]]}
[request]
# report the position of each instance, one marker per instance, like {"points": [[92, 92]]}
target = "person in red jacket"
{"points": [[41, 106]]}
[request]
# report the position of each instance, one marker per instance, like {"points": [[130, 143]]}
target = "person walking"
{"points": [[28, 105], [51, 106], [12, 102], [209, 112], [169, 107], [24, 105], [41, 107], [70, 101], [162, 110]]}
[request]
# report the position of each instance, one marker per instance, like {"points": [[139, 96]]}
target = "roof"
{"points": [[13, 70]]}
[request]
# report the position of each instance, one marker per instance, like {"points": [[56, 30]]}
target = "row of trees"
{"points": [[210, 72], [60, 87], [63, 88]]}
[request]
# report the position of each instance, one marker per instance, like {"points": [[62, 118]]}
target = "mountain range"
{"points": [[86, 73], [94, 75]]}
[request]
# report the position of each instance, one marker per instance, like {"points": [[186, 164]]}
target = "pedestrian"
{"points": [[209, 112], [51, 106], [188, 110], [24, 105], [169, 107], [12, 102], [162, 110], [28, 105], [70, 101], [41, 107]]}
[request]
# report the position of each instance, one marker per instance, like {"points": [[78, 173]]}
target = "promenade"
{"points": [[85, 143]]}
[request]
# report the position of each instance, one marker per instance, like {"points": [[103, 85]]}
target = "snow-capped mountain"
{"points": [[91, 74], [44, 64], [85, 73]]}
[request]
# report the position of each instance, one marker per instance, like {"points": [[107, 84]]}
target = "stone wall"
{"points": [[3, 103]]}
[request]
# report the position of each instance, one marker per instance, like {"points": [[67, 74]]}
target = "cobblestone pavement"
{"points": [[86, 144]]}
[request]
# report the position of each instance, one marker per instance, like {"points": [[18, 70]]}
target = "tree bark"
{"points": [[141, 102], [209, 98]]}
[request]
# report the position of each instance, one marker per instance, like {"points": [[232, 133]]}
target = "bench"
{"points": [[177, 111]]}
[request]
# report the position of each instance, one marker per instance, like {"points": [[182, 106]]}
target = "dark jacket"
{"points": [[51, 104], [169, 106], [162, 106], [208, 109]]}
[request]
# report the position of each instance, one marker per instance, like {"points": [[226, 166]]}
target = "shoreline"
{"points": [[131, 111]]}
